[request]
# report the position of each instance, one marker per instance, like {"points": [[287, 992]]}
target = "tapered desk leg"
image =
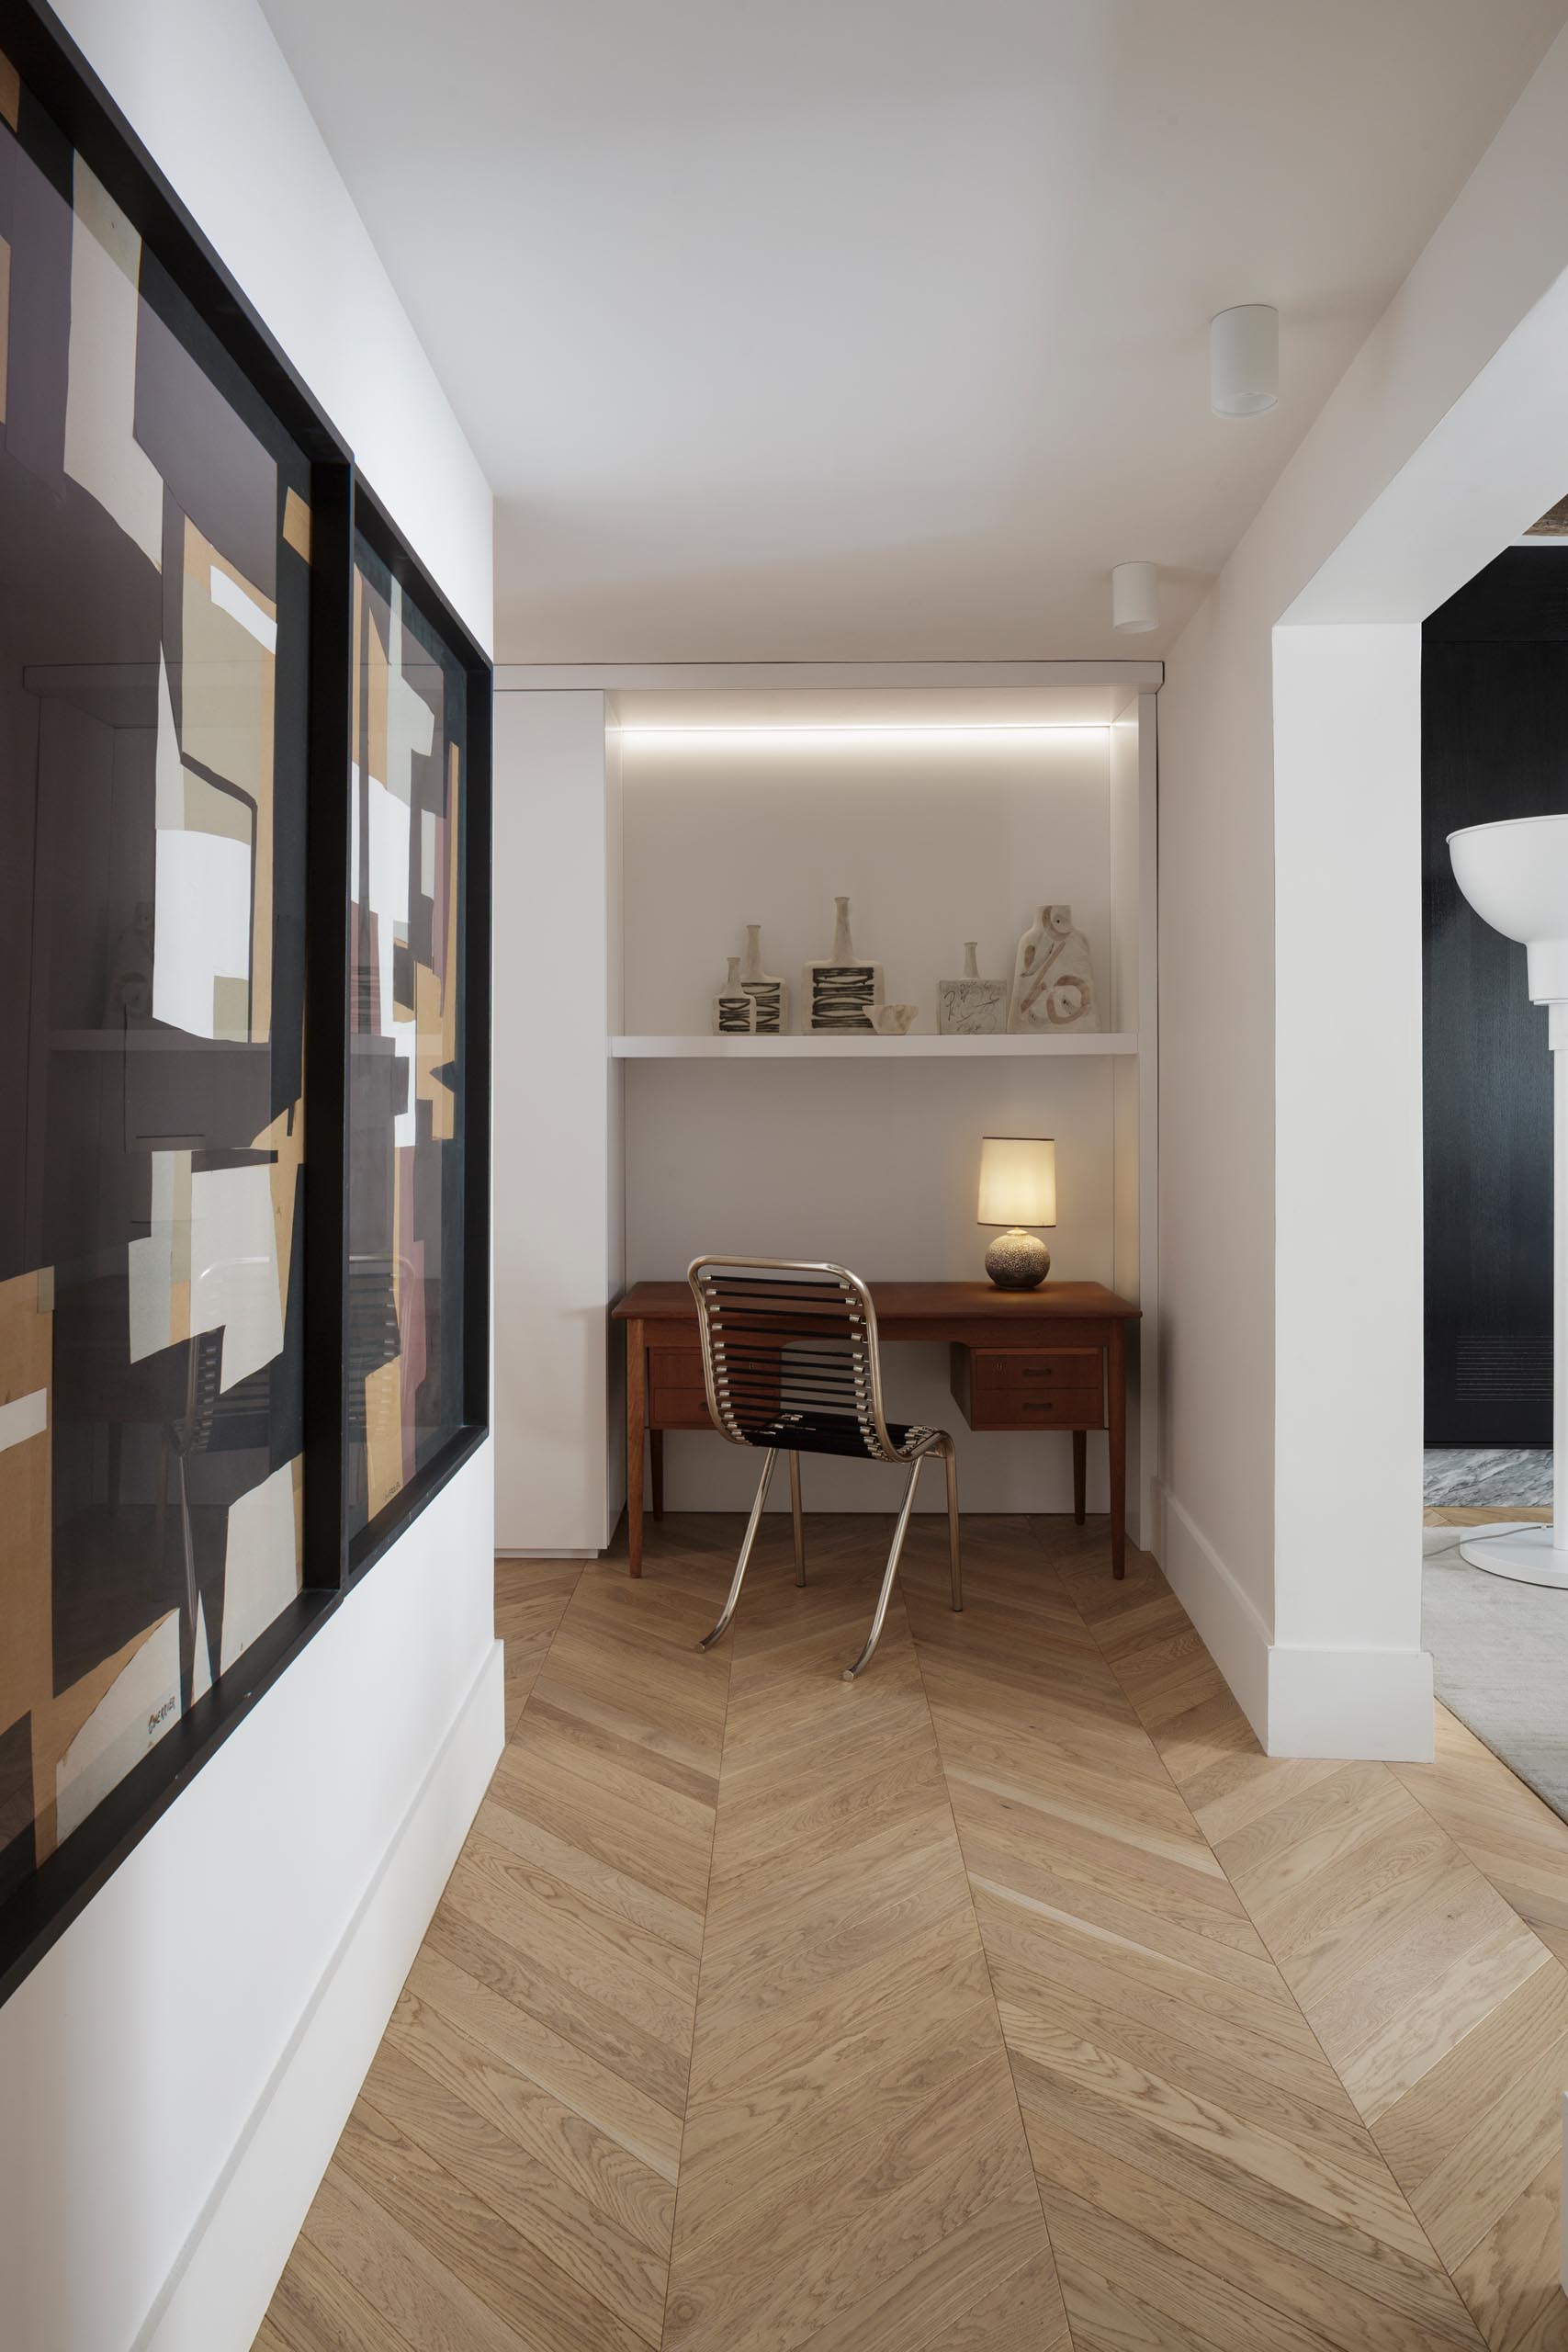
{"points": [[1080, 1472], [1116, 1397], [796, 1520], [656, 1456], [636, 1429]]}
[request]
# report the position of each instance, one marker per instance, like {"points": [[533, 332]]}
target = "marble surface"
{"points": [[1505, 1476]]}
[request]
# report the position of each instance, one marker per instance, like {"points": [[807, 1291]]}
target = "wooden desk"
{"points": [[1054, 1358]]}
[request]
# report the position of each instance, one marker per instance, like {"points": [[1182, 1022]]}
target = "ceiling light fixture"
{"points": [[1135, 598], [866, 731], [1244, 360]]}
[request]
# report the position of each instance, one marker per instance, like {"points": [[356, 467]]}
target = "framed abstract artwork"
{"points": [[418, 1141], [243, 941]]}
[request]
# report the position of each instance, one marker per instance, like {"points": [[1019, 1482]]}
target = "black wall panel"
{"points": [[1495, 745]]}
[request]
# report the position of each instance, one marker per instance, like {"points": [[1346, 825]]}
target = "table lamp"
{"points": [[1018, 1187], [1514, 874]]}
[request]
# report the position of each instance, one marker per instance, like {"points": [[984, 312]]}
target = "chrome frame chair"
{"points": [[791, 1365]]}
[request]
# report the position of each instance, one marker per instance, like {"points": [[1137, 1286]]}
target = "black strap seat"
{"points": [[836, 1433]]}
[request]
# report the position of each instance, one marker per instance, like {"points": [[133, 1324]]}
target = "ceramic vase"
{"points": [[1053, 981], [971, 1007], [767, 992], [841, 990], [734, 1010]]}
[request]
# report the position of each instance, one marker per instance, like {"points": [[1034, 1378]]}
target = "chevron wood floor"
{"points": [[1006, 2000]]}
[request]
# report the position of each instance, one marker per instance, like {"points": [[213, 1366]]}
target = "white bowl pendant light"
{"points": [[1244, 360]]}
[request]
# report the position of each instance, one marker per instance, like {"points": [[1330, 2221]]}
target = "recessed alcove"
{"points": [[947, 804]]}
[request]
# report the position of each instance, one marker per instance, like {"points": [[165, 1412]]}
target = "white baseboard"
{"points": [[1234, 1633], [1374, 1704], [220, 2289], [527, 1552]]}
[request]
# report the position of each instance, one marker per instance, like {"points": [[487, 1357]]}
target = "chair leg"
{"points": [[796, 1521], [955, 1556], [892, 1569], [747, 1540]]}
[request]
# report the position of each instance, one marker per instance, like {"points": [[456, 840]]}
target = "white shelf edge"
{"points": [[791, 1049]]}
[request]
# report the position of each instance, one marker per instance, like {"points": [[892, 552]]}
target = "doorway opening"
{"points": [[1494, 747]]}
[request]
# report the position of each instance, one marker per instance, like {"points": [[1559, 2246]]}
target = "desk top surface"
{"points": [[920, 1303]]}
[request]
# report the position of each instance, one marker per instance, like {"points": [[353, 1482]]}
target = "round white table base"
{"points": [[1521, 1549]]}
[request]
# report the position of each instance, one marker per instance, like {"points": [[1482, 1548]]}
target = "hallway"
{"points": [[1008, 1998]]}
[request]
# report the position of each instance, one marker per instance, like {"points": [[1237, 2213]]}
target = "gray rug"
{"points": [[1507, 1475], [1500, 1662]]}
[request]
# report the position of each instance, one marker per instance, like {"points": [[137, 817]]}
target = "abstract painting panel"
{"points": [[154, 616], [409, 789]]}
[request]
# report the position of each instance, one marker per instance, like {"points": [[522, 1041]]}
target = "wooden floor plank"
{"points": [[459, 2234], [1441, 2009], [315, 2306], [616, 2108], [1007, 2000], [589, 2166], [837, 2193], [541, 2173], [421, 2300], [1509, 2276]]}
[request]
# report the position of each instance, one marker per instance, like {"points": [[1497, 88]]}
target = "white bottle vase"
{"points": [[734, 1011], [971, 1007], [767, 992], [841, 990]]}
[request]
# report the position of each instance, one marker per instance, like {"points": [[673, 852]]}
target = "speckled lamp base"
{"points": [[1016, 1260]]}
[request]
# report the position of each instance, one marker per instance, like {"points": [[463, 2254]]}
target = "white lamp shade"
{"points": [[1135, 598], [1017, 1181], [1244, 360], [1514, 874]]}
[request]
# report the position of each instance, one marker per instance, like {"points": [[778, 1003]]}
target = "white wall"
{"points": [[1289, 974], [174, 2073], [558, 1219], [1346, 1669], [205, 85], [1135, 862]]}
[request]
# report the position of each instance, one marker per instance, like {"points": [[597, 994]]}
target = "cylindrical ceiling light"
{"points": [[1135, 598], [1244, 360]]}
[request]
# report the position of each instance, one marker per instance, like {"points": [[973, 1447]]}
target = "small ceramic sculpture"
{"points": [[734, 1011], [840, 991], [1052, 984], [768, 993], [894, 1020], [971, 1007]]}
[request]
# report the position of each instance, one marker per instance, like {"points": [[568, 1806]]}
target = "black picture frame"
{"points": [[34, 1918], [371, 522]]}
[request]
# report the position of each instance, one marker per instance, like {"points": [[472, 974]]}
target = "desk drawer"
{"points": [[1033, 1388], [1069, 1408], [1031, 1372], [676, 1397]]}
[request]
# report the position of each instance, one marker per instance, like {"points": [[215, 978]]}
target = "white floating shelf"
{"points": [[854, 1049]]}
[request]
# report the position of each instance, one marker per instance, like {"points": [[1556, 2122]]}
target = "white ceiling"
{"points": [[838, 329]]}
